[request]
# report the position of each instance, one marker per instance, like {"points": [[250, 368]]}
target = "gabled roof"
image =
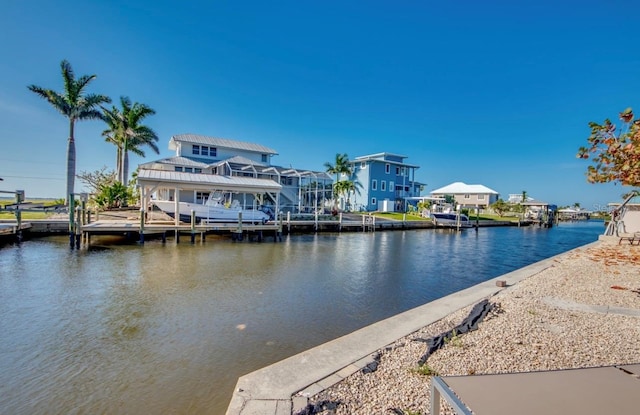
{"points": [[463, 188], [240, 160], [219, 142]]}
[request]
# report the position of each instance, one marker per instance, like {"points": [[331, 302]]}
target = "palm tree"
{"points": [[76, 105], [340, 166], [524, 196], [351, 187], [127, 134]]}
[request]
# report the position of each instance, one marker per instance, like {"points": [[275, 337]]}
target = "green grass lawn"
{"points": [[28, 215]]}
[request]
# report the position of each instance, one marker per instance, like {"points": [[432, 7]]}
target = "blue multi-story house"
{"points": [[384, 182]]}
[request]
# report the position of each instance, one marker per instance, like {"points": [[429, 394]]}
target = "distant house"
{"points": [[469, 195], [384, 182], [242, 171], [516, 198]]}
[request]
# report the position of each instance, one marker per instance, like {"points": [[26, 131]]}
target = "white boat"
{"points": [[214, 210], [452, 220], [445, 216]]}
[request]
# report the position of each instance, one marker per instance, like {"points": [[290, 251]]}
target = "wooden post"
{"points": [[289, 223], [193, 227], [19, 200], [340, 222], [71, 221], [78, 228], [142, 213], [240, 225]]}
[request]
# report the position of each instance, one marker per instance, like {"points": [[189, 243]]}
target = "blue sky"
{"points": [[497, 93]]}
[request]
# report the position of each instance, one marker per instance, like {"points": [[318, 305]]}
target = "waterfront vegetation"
{"points": [[76, 105], [124, 128], [615, 152]]}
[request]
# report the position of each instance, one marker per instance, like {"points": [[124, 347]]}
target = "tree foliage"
{"points": [[340, 166], [346, 188], [113, 196], [125, 131], [500, 207], [76, 105], [615, 153], [97, 179]]}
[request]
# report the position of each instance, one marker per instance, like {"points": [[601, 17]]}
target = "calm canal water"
{"points": [[169, 328]]}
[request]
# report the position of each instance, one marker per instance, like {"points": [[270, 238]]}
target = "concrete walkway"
{"points": [[284, 387]]}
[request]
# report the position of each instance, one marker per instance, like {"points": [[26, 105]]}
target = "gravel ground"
{"points": [[536, 324]]}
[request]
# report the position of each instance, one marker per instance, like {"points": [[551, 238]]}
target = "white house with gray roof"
{"points": [[241, 170], [469, 195]]}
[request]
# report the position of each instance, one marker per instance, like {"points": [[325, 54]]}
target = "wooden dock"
{"points": [[136, 226], [13, 231]]}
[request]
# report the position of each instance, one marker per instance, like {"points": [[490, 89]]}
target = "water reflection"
{"points": [[169, 328]]}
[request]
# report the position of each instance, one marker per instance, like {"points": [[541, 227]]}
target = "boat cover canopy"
{"points": [[206, 182]]}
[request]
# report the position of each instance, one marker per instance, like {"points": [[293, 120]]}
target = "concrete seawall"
{"points": [[283, 387]]}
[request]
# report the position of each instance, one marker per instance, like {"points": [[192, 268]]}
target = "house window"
{"points": [[213, 151], [387, 168], [204, 151], [264, 158], [374, 185], [374, 201], [391, 187], [196, 150], [177, 168], [188, 169], [201, 196], [383, 185], [363, 165], [466, 196], [480, 197], [197, 170], [397, 171]]}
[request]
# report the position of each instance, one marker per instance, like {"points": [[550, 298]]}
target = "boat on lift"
{"points": [[213, 209]]}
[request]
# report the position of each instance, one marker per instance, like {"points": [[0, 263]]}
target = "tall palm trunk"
{"points": [[125, 167], [119, 163], [71, 162]]}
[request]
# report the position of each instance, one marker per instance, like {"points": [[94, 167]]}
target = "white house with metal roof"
{"points": [[469, 195], [241, 170]]}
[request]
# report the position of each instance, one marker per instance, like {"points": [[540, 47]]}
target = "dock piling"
{"points": [[142, 216], [71, 221], [193, 227]]}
